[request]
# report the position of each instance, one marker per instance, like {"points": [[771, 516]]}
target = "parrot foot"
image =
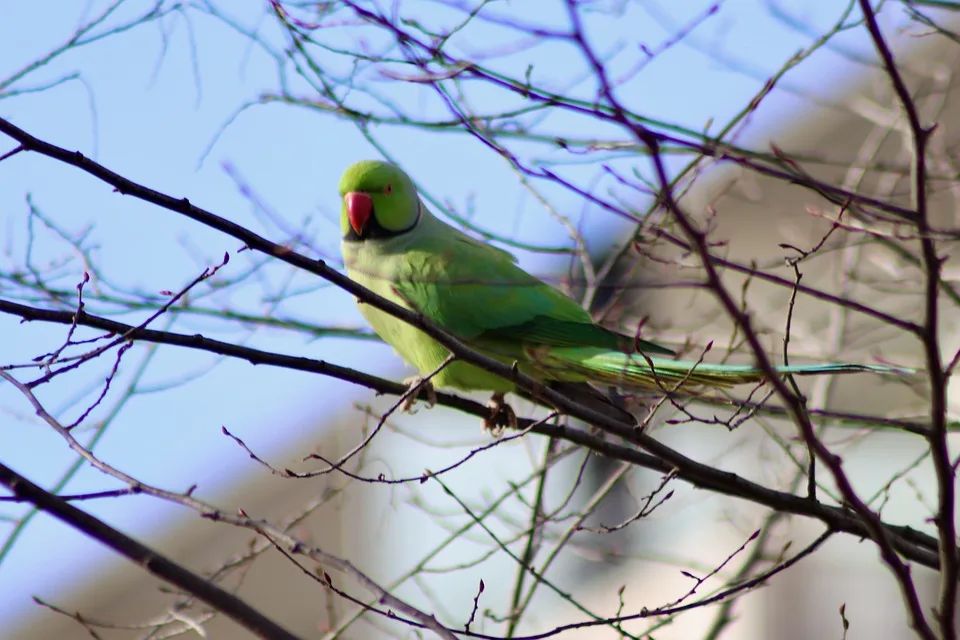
{"points": [[416, 386], [501, 415]]}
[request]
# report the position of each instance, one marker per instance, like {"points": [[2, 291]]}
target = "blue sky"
{"points": [[149, 109]]}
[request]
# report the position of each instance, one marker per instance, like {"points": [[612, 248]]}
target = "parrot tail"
{"points": [[644, 372]]}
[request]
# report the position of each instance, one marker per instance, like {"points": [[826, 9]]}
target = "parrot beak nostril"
{"points": [[359, 209]]}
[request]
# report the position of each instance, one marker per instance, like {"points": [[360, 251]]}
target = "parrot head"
{"points": [[379, 201]]}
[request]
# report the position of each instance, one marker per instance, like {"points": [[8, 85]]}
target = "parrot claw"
{"points": [[417, 385], [501, 415]]}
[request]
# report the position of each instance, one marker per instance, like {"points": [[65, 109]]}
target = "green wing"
{"points": [[477, 292]]}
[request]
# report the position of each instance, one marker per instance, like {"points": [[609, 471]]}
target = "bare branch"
{"points": [[143, 556]]}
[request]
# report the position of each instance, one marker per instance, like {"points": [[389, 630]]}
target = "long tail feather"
{"points": [[613, 368]]}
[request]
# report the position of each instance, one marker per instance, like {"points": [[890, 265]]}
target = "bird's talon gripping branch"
{"points": [[501, 416], [418, 386]]}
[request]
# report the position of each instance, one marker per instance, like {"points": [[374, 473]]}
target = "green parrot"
{"points": [[393, 245]]}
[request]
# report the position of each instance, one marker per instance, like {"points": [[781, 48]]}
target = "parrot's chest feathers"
{"points": [[417, 348]]}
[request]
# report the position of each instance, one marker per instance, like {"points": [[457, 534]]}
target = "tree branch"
{"points": [[929, 336], [914, 545], [209, 511], [146, 558], [796, 406]]}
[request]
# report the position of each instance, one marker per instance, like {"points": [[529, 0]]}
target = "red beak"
{"points": [[359, 209]]}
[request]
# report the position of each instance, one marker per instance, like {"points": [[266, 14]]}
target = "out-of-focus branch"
{"points": [[143, 556]]}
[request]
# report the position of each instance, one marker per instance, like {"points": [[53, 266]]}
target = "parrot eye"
{"points": [[388, 189]]}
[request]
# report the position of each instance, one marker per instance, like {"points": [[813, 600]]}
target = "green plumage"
{"points": [[394, 246]]}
